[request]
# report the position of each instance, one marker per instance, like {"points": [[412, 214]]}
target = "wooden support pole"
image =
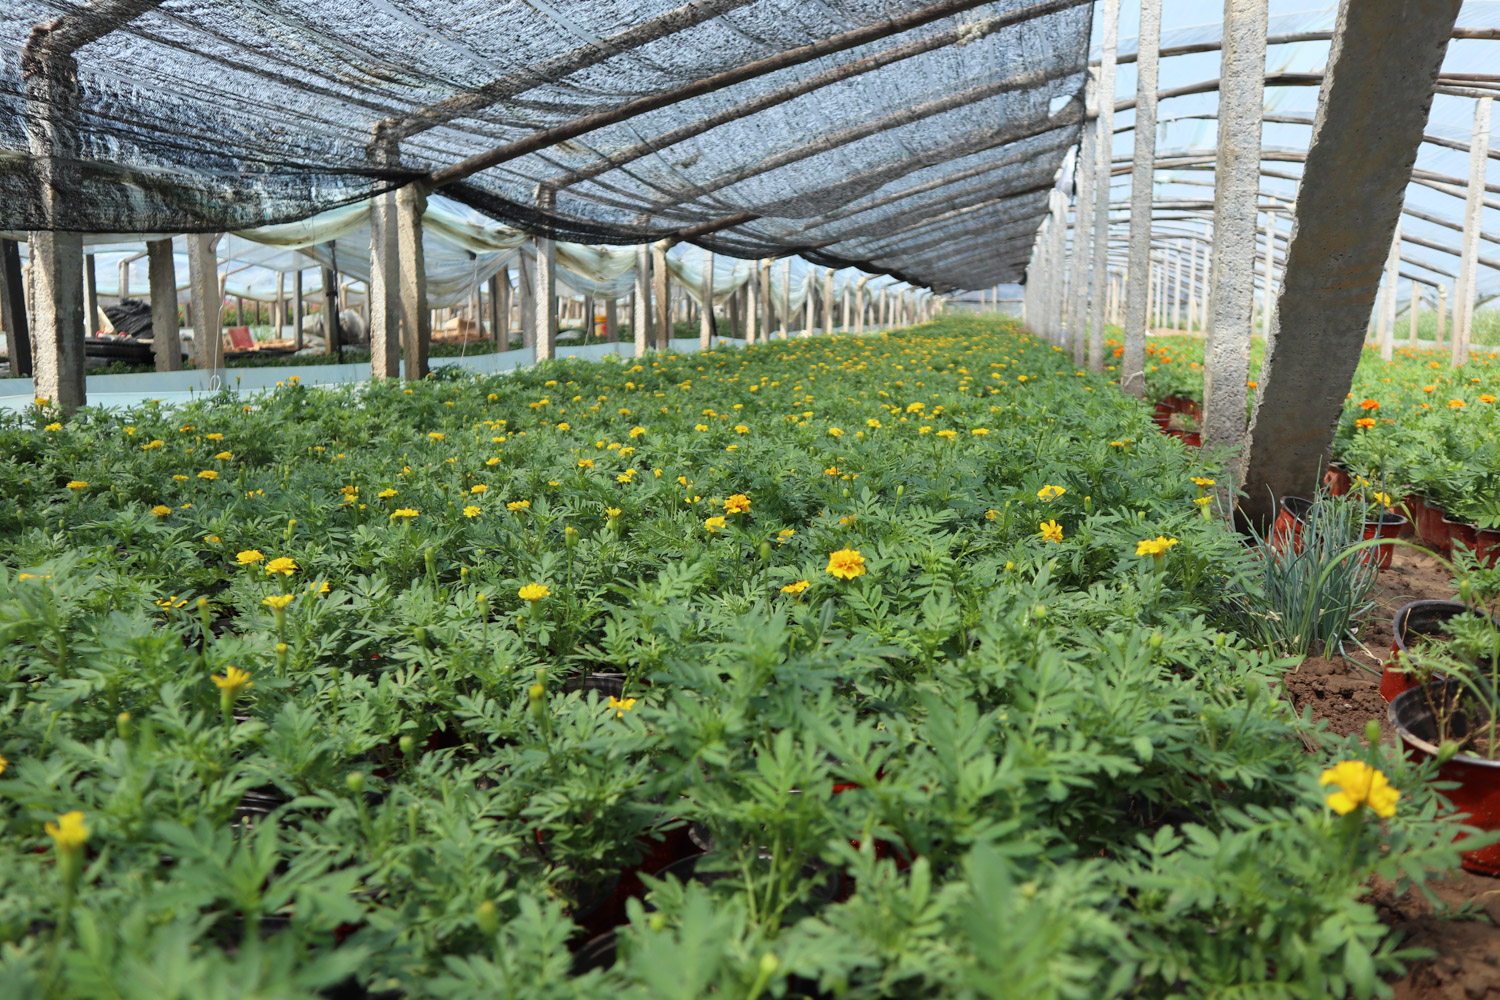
{"points": [[1104, 156], [527, 291], [208, 301], [299, 309], [1133, 362], [385, 288], [828, 301], [786, 299], [494, 308], [546, 287], [611, 321]]}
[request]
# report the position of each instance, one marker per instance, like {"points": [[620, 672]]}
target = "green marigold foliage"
{"points": [[979, 760]]}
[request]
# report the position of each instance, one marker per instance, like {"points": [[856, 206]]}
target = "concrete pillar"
{"points": [[1463, 304], [1103, 158], [786, 299], [1388, 300], [1133, 362], [333, 333], [663, 289], [162, 269], [385, 288], [706, 292], [765, 299], [298, 309], [611, 321], [859, 304], [1372, 108], [1442, 314], [203, 283], [1412, 309], [640, 321], [416, 318], [1231, 271], [828, 300], [13, 314], [526, 278], [546, 298]]}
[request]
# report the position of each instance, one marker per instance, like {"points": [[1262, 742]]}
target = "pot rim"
{"points": [[1407, 736], [1390, 518]]}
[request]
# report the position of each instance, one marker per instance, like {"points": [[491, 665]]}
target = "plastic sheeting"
{"points": [[201, 116]]}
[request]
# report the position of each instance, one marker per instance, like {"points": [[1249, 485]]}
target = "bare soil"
{"points": [[1463, 930]]}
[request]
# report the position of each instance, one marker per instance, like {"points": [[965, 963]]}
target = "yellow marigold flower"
{"points": [[1359, 784], [54, 426], [991, 514], [224, 456], [741, 429], [1486, 398], [738, 503], [713, 524], [636, 432], [471, 511], [1051, 531], [249, 557], [479, 488], [435, 435], [785, 533], [151, 445], [213, 437], [232, 680], [492, 461], [1364, 423], [518, 505], [621, 705], [285, 565], [924, 429], [914, 407], [1203, 481], [872, 422], [1384, 499], [611, 512], [947, 435], [78, 484], [318, 588], [585, 463], [208, 474], [278, 602], [534, 592], [1117, 444], [161, 510], [69, 833], [3, 763], [212, 539], [1456, 404], [406, 512], [1429, 388], [700, 427], [979, 431], [845, 564], [1049, 493], [1154, 546], [1203, 501], [835, 432], [796, 588]]}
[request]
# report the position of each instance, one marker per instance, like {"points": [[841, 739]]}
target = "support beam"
{"points": [[1383, 64], [416, 318], [546, 290], [827, 301], [494, 308], [1133, 362], [13, 309], [1104, 154], [526, 289], [333, 333], [1463, 306], [299, 310], [165, 342]]}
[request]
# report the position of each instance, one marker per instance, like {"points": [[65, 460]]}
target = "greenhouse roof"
{"points": [[912, 137]]}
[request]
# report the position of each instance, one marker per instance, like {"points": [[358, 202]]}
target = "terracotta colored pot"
{"points": [[1488, 549], [1432, 529], [1179, 404], [1161, 415], [1478, 780], [1336, 479], [1389, 526], [1415, 619], [1461, 533], [1193, 439], [1287, 531]]}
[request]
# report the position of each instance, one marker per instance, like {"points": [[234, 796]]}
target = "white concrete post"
{"points": [[203, 283], [1103, 160], [546, 297], [1229, 309], [640, 320], [706, 292], [1413, 308], [385, 288], [663, 291], [1463, 306], [416, 318], [1143, 168], [1388, 302]]}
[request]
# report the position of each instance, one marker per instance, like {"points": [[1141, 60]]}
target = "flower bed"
{"points": [[905, 652]]}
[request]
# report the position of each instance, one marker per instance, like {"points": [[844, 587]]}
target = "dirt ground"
{"points": [[1464, 930]]}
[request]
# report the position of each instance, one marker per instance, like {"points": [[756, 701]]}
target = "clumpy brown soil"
{"points": [[1464, 931]]}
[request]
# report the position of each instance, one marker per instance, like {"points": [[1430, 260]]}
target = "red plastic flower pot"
{"points": [[1478, 779], [1193, 439], [1389, 526], [1290, 517], [1432, 528], [1488, 549], [1419, 618], [1336, 478], [1461, 534], [1161, 415]]}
